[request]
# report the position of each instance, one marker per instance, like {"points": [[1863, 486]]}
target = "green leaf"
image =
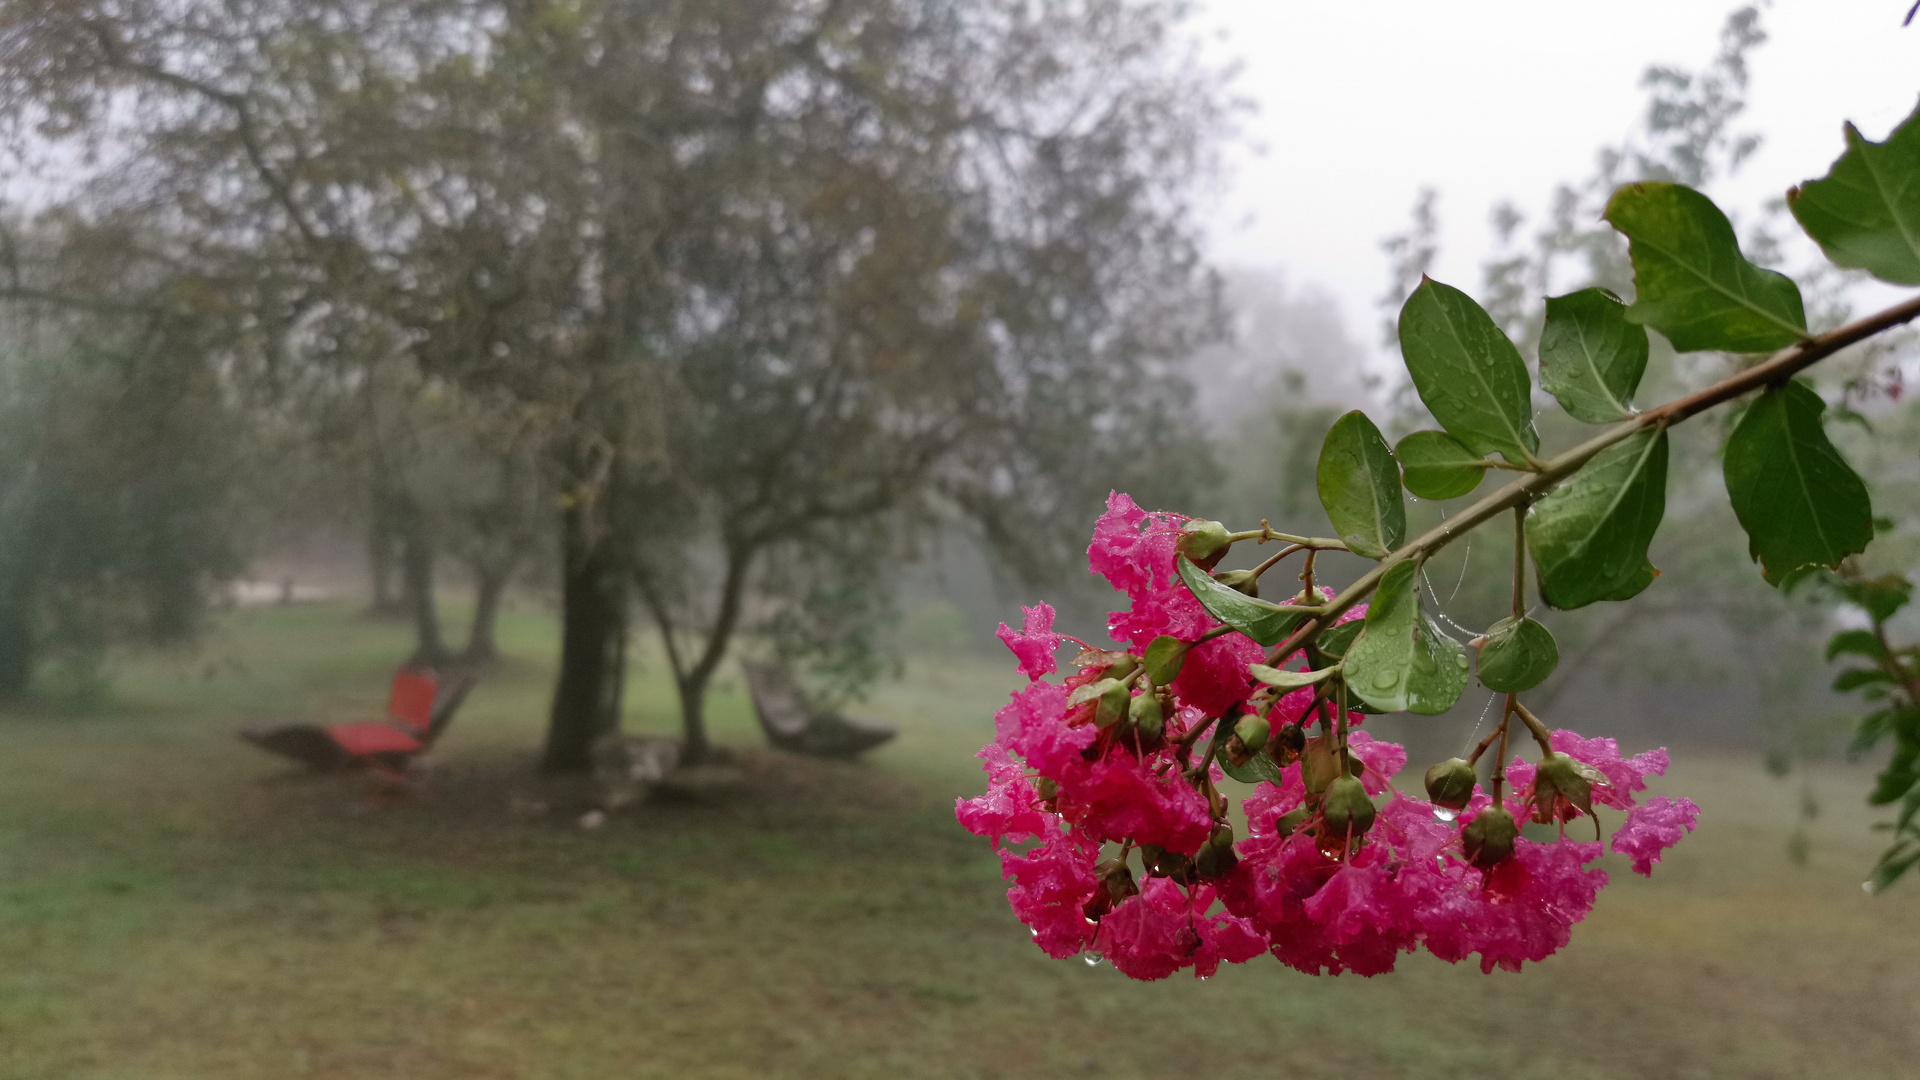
{"points": [[1402, 662], [1694, 286], [1865, 213], [1898, 777], [1439, 466], [1855, 678], [1288, 680], [1798, 499], [1469, 375], [1166, 655], [1335, 640], [1360, 486], [1260, 620], [1892, 866], [1856, 643], [1879, 597], [1519, 655], [1591, 357], [1260, 767], [1589, 536]]}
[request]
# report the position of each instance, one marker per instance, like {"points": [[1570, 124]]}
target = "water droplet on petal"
{"points": [[1445, 814], [1092, 958], [1460, 661], [1384, 680], [1867, 887]]}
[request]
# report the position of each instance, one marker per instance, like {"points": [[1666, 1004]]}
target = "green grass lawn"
{"points": [[175, 904]]}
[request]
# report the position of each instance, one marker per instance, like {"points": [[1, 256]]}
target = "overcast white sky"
{"points": [[1360, 104]]}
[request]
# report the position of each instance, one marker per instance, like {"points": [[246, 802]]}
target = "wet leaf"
{"points": [[1359, 484], [1264, 622], [1589, 536], [1402, 662], [1591, 357], [1166, 655], [1865, 213], [1693, 284], [1438, 466], [1798, 499], [1469, 375], [1519, 655], [1288, 680]]}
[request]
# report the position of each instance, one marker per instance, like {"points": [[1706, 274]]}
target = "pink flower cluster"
{"points": [[1064, 790]]}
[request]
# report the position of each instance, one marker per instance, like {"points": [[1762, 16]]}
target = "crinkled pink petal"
{"points": [[1149, 936], [1051, 886], [1653, 828], [1033, 725], [1384, 760], [1009, 808], [1215, 674], [1034, 646], [1119, 797], [1624, 776]]}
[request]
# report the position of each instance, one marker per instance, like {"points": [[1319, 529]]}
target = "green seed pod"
{"points": [[1240, 581], [1355, 767], [1150, 855], [1450, 784], [1252, 731], [1289, 823], [1115, 701], [1203, 541], [1319, 765], [1347, 808], [1216, 857], [1487, 841], [1560, 777], [1148, 715], [1046, 789]]}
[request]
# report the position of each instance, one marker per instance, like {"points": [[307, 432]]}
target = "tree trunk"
{"points": [[416, 578], [593, 647], [17, 644], [693, 684], [490, 585], [694, 747], [381, 536]]}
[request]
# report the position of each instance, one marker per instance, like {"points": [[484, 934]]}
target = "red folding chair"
{"points": [[418, 710]]}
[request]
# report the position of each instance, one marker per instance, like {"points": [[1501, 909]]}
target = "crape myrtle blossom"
{"points": [[1104, 798]]}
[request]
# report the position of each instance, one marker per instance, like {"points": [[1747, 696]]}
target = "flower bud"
{"points": [[1450, 784], [1240, 581], [1252, 732], [1289, 823], [1216, 857], [1488, 839], [1203, 541], [1115, 701], [1148, 715], [1116, 884], [1319, 765], [1347, 809], [1561, 783]]}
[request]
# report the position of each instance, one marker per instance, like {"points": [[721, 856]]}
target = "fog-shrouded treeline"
{"points": [[701, 317]]}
